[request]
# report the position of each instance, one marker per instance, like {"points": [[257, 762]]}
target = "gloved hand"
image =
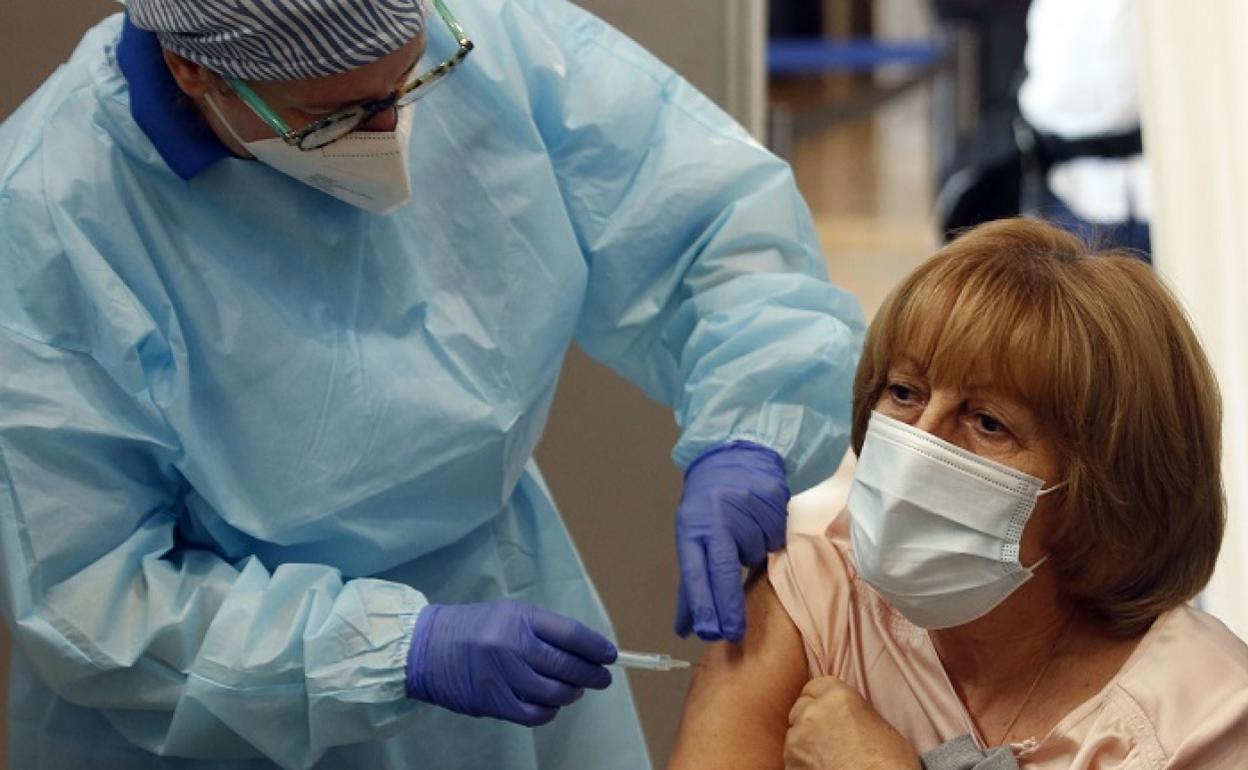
{"points": [[733, 511], [504, 659]]}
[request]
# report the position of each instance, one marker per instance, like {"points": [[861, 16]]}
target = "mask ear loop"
{"points": [[212, 105], [1032, 569], [1053, 488]]}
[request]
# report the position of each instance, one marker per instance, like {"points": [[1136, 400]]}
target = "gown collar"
{"points": [[170, 121]]}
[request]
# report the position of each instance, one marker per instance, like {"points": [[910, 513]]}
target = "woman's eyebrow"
{"points": [[1003, 398], [904, 364]]}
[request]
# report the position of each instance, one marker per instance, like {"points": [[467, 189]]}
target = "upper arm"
{"points": [[736, 712]]}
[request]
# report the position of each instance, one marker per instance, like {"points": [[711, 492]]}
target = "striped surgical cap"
{"points": [[280, 39]]}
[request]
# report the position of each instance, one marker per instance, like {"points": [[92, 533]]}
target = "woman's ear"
{"points": [[194, 79]]}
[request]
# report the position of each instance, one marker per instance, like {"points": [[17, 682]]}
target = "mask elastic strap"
{"points": [[1056, 486], [1042, 493], [212, 105]]}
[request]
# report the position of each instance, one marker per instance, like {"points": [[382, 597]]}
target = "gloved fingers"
{"points": [[493, 697], [550, 661], [684, 618], [751, 544], [528, 714], [572, 636], [772, 515], [531, 687], [725, 577], [697, 584]]}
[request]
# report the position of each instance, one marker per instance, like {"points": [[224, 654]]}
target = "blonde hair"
{"points": [[1098, 348]]}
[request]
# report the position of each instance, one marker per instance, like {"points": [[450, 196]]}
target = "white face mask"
{"points": [[935, 529], [368, 169]]}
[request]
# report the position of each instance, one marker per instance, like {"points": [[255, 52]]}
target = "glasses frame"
{"points": [[360, 114]]}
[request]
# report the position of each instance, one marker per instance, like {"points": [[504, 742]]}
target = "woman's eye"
{"points": [[900, 393], [989, 424]]}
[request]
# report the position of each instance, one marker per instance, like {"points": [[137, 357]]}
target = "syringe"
{"points": [[652, 661]]}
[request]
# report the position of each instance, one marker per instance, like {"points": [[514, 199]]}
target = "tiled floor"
{"points": [[869, 186]]}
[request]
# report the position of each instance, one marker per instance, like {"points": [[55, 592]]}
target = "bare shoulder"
{"points": [[736, 712]]}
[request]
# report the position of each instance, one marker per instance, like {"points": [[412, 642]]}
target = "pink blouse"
{"points": [[1180, 700]]}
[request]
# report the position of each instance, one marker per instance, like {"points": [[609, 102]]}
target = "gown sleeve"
{"points": [[706, 285], [185, 653]]}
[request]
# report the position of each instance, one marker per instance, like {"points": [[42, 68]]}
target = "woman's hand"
{"points": [[832, 728]]}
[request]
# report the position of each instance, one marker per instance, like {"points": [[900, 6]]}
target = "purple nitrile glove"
{"points": [[733, 511], [505, 660]]}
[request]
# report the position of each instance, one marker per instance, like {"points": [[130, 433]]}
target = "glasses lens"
{"points": [[332, 129]]}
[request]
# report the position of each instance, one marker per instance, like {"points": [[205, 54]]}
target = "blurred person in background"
{"points": [[1058, 129], [1080, 102]]}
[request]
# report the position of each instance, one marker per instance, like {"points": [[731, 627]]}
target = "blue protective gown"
{"points": [[248, 431]]}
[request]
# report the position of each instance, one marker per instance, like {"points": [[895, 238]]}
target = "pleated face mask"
{"points": [[935, 528]]}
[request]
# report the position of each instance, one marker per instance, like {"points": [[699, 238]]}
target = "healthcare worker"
{"points": [[277, 341], [1080, 104]]}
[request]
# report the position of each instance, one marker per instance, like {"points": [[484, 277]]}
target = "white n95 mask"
{"points": [[935, 529], [368, 169]]}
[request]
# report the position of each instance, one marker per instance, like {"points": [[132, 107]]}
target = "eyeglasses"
{"points": [[333, 127]]}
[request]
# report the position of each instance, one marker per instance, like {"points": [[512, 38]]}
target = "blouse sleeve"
{"points": [[1220, 743], [812, 578]]}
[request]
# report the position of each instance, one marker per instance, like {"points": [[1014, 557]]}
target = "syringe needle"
{"points": [[651, 661]]}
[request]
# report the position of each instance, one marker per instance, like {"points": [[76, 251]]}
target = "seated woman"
{"points": [[1037, 496]]}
